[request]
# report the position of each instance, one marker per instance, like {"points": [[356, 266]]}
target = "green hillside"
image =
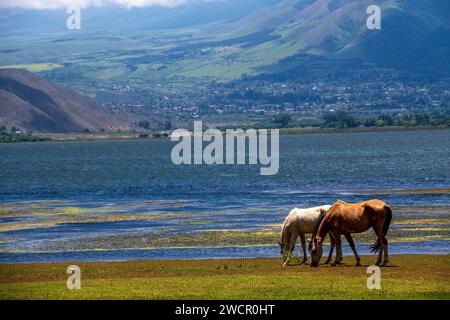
{"points": [[271, 38]]}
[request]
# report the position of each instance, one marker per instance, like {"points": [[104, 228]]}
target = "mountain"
{"points": [[226, 39], [18, 23], [32, 103], [415, 35]]}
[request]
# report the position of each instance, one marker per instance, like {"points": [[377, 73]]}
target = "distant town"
{"points": [[322, 103]]}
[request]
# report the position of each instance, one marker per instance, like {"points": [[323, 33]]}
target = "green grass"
{"points": [[408, 277]]}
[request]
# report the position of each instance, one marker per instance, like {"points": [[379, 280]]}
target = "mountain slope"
{"points": [[286, 38], [31, 103], [411, 32], [414, 36], [17, 23]]}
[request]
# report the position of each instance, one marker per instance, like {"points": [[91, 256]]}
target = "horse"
{"points": [[298, 223], [347, 218]]}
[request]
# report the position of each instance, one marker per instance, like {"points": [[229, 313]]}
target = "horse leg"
{"points": [[287, 260], [339, 254], [292, 240], [349, 238], [303, 240], [288, 257], [294, 237], [337, 238], [287, 246], [332, 245]]}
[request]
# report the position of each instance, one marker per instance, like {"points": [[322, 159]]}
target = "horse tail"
{"points": [[377, 245]]}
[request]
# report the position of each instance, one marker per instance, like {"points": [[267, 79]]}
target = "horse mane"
{"points": [[316, 227], [281, 235], [319, 221], [322, 228], [283, 228]]}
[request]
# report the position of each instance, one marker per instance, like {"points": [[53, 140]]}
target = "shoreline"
{"points": [[398, 248], [348, 256], [142, 136], [315, 130]]}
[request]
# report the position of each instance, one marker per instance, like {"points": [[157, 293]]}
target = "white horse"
{"points": [[298, 223]]}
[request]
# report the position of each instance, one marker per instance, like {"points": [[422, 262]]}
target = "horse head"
{"points": [[316, 251], [283, 251]]}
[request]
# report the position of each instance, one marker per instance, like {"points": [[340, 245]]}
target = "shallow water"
{"points": [[431, 247], [59, 197]]}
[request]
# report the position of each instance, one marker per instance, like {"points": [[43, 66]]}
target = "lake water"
{"points": [[122, 200]]}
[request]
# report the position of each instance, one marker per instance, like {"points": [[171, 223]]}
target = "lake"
{"points": [[125, 200]]}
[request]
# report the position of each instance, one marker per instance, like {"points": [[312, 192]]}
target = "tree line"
{"points": [[16, 135], [342, 119]]}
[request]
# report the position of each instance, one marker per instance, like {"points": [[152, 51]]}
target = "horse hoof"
{"points": [[333, 265], [358, 264]]}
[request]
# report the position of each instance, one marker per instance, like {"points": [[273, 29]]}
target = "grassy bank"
{"points": [[309, 130], [285, 131], [407, 277], [6, 137], [68, 137]]}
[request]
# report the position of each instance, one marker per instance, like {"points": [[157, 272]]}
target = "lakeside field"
{"points": [[407, 277]]}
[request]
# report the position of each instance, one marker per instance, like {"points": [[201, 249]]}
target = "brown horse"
{"points": [[347, 218]]}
